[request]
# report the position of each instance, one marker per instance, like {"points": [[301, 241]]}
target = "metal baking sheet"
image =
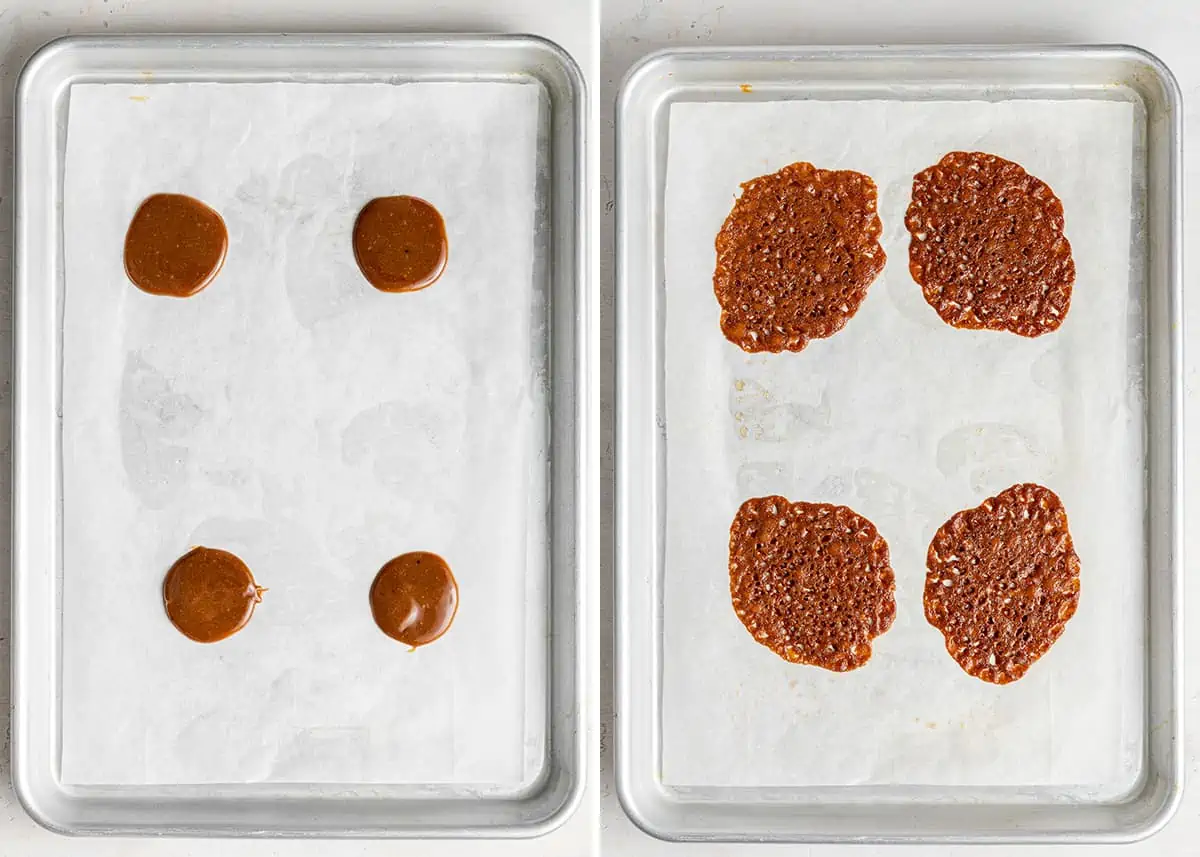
{"points": [[280, 803], [832, 792]]}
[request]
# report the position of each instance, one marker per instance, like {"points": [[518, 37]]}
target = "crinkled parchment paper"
{"points": [[906, 420], [314, 426]]}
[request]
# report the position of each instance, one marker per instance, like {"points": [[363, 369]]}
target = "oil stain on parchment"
{"points": [[155, 420], [761, 414], [403, 444], [992, 456]]}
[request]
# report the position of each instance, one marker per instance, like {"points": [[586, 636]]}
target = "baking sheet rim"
{"points": [[643, 152], [557, 792]]}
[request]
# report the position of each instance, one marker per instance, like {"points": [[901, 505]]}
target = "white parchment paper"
{"points": [[906, 420], [312, 425]]}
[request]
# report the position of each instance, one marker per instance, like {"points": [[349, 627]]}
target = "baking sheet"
{"points": [[907, 421], [312, 425]]}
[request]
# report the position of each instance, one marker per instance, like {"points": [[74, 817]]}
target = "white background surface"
{"points": [[632, 28], [1065, 410], [24, 26]]}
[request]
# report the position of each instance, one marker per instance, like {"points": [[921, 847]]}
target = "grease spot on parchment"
{"points": [[352, 543], [320, 275], [344, 747], [1047, 371], [319, 289], [405, 445], [832, 487], [153, 420], [248, 219], [992, 456], [208, 726], [308, 181], [759, 413], [759, 478], [892, 498]]}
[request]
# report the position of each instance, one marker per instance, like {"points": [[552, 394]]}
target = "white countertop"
{"points": [[633, 28], [24, 26], [629, 29]]}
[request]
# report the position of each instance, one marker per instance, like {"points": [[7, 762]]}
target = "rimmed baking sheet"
{"points": [[292, 414], [907, 421]]}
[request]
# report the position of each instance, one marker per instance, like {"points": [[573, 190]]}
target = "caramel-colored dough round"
{"points": [[414, 598], [210, 594], [795, 257], [987, 245], [175, 245], [1003, 581], [812, 582], [400, 243]]}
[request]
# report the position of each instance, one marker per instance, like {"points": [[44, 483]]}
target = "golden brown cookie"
{"points": [[1003, 580], [795, 257], [810, 581], [987, 245]]}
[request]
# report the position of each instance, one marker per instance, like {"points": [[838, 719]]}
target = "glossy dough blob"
{"points": [[175, 245], [210, 594], [400, 243], [414, 598]]}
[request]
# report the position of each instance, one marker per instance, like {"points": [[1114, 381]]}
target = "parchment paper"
{"points": [[312, 425], [906, 420]]}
